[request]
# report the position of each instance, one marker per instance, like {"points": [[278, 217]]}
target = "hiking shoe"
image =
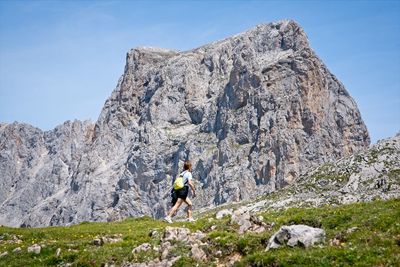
{"points": [[168, 219], [191, 220]]}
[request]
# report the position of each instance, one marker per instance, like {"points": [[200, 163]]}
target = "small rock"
{"points": [[17, 250], [334, 242], [351, 230], [241, 217], [199, 235], [240, 214], [142, 247], [258, 229], [98, 242], [198, 253], [165, 248], [111, 239], [176, 233], [244, 226], [218, 253], [34, 249], [154, 233], [248, 221], [213, 227], [256, 220], [58, 252], [222, 213], [3, 254]]}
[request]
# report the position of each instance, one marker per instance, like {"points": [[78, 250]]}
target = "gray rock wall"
{"points": [[36, 168], [252, 112]]}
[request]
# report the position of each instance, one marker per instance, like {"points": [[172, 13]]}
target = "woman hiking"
{"points": [[182, 193]]}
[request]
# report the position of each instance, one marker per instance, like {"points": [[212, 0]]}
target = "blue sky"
{"points": [[60, 60]]}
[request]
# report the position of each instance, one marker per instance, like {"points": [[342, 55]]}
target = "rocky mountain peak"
{"points": [[252, 112]]}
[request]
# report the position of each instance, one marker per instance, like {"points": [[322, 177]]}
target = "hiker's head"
{"points": [[187, 165]]}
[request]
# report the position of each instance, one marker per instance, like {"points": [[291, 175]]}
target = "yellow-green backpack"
{"points": [[178, 183]]}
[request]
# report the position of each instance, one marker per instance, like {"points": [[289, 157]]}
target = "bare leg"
{"points": [[175, 207], [190, 207]]}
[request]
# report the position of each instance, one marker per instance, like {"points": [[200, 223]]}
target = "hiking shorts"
{"points": [[174, 197], [183, 192]]}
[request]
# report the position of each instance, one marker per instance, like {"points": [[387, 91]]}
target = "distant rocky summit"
{"points": [[253, 113]]}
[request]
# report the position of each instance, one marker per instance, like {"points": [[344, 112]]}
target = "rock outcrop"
{"points": [[172, 238], [252, 112], [365, 176]]}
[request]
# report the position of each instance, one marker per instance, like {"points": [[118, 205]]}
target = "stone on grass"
{"points": [[241, 217], [191, 240], [334, 242], [296, 235], [195, 238], [222, 213], [98, 242], [34, 249], [351, 230], [154, 233], [165, 248], [176, 233], [17, 250], [112, 239], [248, 221], [142, 247], [198, 253]]}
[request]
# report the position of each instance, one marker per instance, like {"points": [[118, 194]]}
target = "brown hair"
{"points": [[187, 165]]}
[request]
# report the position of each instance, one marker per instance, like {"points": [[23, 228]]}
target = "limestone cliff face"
{"points": [[252, 112], [36, 168]]}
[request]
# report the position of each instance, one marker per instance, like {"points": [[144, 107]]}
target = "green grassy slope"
{"points": [[375, 242]]}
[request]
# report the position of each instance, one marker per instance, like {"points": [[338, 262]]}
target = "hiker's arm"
{"points": [[192, 187]]}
